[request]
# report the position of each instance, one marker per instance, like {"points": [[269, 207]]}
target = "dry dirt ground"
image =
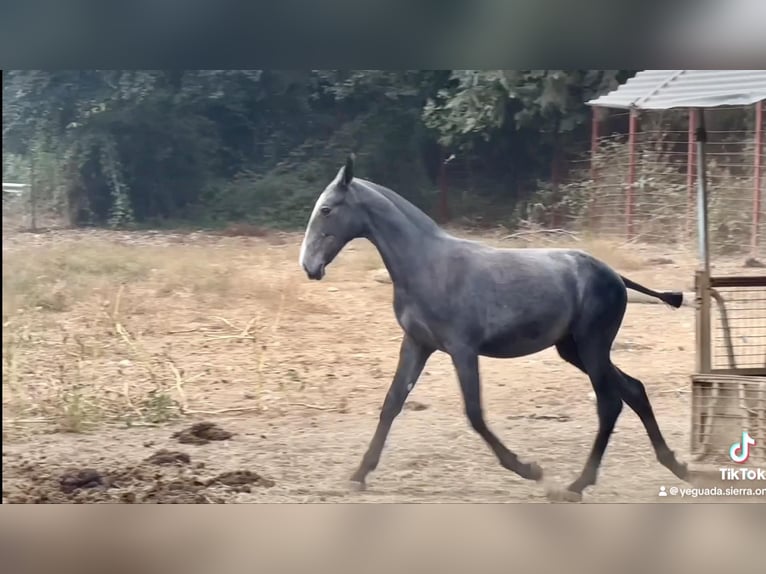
{"points": [[114, 344]]}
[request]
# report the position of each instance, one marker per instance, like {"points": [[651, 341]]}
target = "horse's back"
{"points": [[556, 267], [514, 302]]}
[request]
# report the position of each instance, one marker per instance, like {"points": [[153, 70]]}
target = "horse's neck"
{"points": [[402, 245]]}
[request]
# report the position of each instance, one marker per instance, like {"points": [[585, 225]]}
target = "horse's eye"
{"points": [[325, 210]]}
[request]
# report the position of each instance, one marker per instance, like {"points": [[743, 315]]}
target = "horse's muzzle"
{"points": [[316, 274]]}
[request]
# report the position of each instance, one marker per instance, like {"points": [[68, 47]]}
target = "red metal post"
{"points": [[690, 168], [631, 174], [757, 174]]}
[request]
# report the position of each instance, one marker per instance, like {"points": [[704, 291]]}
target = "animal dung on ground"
{"points": [[202, 433], [240, 480], [164, 456], [74, 479]]}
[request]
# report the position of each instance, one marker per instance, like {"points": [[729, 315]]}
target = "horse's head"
{"points": [[334, 222]]}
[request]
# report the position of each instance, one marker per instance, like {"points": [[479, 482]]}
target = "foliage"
{"points": [[478, 102], [134, 146]]}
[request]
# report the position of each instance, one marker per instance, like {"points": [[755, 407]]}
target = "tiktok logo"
{"points": [[739, 452]]}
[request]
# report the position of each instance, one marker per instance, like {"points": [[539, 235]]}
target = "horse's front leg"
{"points": [[466, 364], [412, 359]]}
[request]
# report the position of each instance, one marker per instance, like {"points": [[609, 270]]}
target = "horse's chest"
{"points": [[414, 323]]}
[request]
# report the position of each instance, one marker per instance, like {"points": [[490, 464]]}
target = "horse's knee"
{"points": [[392, 405], [608, 400], [609, 405], [634, 393]]}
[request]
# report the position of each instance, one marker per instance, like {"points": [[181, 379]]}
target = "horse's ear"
{"points": [[348, 171]]}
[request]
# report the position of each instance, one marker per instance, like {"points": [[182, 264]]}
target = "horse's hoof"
{"points": [[357, 485], [535, 472], [563, 495]]}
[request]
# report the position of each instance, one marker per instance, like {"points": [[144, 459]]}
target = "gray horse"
{"points": [[469, 300]]}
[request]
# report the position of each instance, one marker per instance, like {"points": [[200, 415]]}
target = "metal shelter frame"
{"points": [[742, 391], [695, 90]]}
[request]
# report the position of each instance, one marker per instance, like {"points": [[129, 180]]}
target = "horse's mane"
{"points": [[411, 212]]}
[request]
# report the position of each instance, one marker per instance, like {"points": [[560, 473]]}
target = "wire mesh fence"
{"points": [[642, 191], [34, 196], [648, 194], [723, 405], [738, 339]]}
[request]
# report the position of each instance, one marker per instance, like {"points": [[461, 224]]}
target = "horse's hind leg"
{"points": [[630, 390], [467, 368], [593, 359], [633, 393]]}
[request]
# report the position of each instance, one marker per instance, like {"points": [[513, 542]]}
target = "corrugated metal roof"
{"points": [[665, 89]]}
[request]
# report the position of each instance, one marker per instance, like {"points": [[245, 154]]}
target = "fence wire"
{"points": [[659, 206], [739, 328], [649, 197], [658, 203], [722, 406]]}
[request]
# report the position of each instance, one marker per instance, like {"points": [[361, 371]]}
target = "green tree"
{"points": [[260, 144]]}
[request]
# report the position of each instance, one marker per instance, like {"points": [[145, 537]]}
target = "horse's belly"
{"points": [[523, 339], [509, 347]]}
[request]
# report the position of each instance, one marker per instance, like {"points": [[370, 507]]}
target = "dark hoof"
{"points": [[680, 469], [563, 495], [534, 472], [356, 485]]}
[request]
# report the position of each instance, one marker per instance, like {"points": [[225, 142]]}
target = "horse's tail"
{"points": [[672, 298]]}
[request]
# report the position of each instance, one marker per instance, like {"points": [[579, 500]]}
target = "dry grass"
{"points": [[244, 230], [97, 331], [103, 327]]}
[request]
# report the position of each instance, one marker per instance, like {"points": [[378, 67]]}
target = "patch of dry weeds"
{"points": [[95, 330]]}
